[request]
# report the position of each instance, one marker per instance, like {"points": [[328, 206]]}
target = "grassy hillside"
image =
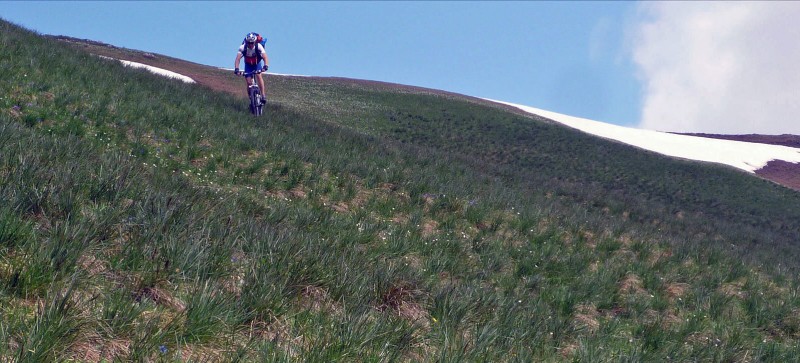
{"points": [[145, 219], [696, 202]]}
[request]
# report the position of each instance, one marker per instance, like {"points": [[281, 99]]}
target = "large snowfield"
{"points": [[743, 155]]}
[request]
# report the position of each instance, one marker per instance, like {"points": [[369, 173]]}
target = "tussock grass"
{"points": [[145, 219]]}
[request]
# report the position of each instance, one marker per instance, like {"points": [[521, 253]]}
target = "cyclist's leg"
{"points": [[249, 69], [260, 79]]}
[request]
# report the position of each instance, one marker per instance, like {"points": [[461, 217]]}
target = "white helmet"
{"points": [[251, 38]]}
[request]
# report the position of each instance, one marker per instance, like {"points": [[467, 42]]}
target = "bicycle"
{"points": [[253, 92]]}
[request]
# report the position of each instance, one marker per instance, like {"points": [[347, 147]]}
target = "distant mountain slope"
{"points": [[748, 156], [784, 140], [781, 172]]}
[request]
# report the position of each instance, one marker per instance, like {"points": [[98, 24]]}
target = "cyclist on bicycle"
{"points": [[253, 53]]}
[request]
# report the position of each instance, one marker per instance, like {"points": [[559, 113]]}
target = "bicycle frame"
{"points": [[254, 93]]}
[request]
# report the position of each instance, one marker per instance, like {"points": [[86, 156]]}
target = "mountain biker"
{"points": [[253, 53]]}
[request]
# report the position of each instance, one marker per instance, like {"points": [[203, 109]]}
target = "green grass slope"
{"points": [[143, 219]]}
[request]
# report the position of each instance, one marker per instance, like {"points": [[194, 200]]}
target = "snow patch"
{"points": [[156, 70], [743, 155]]}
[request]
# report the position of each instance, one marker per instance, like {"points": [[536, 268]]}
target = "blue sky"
{"points": [[599, 60]]}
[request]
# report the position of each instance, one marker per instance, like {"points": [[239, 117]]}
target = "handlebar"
{"points": [[248, 74]]}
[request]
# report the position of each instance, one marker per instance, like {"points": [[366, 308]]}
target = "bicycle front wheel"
{"points": [[254, 102]]}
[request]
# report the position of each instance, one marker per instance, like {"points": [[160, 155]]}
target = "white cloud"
{"points": [[720, 67]]}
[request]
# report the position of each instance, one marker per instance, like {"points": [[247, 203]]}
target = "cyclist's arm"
{"points": [[264, 55], [238, 58]]}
